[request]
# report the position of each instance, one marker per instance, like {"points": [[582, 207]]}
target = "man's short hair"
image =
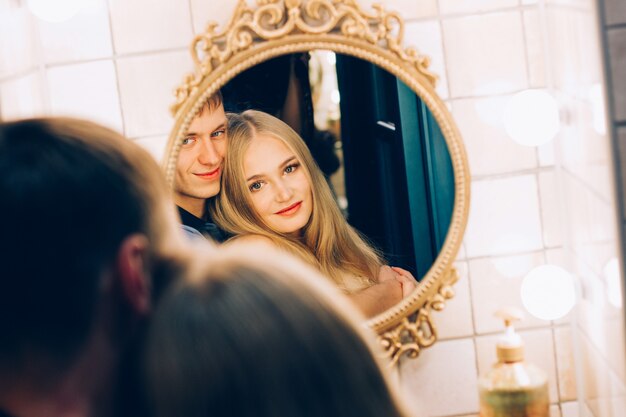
{"points": [[72, 191], [212, 103]]}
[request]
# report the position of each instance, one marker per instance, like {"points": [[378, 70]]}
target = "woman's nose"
{"points": [[283, 192]]}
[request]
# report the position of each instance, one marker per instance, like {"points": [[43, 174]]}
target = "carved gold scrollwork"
{"points": [[275, 19], [417, 331]]}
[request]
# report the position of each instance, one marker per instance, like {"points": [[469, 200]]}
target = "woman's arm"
{"points": [[378, 298], [393, 285]]}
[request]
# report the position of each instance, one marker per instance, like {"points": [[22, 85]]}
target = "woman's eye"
{"points": [[255, 186], [291, 168]]}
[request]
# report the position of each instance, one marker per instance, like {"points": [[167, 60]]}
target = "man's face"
{"points": [[200, 160]]}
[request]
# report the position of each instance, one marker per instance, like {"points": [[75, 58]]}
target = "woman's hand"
{"points": [[408, 281]]}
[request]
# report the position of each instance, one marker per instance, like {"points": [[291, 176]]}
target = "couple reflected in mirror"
{"points": [[251, 177]]}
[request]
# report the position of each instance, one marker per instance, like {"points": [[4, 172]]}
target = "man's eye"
{"points": [[188, 141], [255, 186], [218, 133]]}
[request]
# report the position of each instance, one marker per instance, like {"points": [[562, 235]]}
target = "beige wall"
{"points": [[119, 63]]}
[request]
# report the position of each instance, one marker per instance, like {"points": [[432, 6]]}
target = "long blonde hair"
{"points": [[327, 241]]}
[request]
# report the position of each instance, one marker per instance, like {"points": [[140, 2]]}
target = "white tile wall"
{"points": [[17, 43], [565, 363], [502, 276], [410, 9], [21, 97], [551, 209], [142, 25], [489, 148], [204, 12], [535, 48], [443, 380], [86, 90], [147, 84], [474, 6], [570, 409], [504, 217], [475, 47], [86, 36]]}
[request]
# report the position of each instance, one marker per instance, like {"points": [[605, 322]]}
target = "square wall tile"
{"points": [[545, 154], [563, 258], [140, 26], [456, 318], [615, 11], [504, 217], [538, 350], [574, 55], [489, 149], [591, 223], [570, 409], [410, 9], [617, 58], [155, 145], [596, 378], [495, 283], [17, 41], [585, 152], [85, 36], [21, 97], [442, 381], [605, 395], [565, 364], [203, 12], [472, 71], [426, 38], [535, 48], [551, 208], [147, 86], [474, 6], [555, 411], [86, 90]]}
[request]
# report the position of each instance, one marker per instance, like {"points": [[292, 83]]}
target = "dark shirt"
{"points": [[205, 228], [3, 414]]}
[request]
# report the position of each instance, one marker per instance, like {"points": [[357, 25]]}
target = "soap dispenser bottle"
{"points": [[513, 388]]}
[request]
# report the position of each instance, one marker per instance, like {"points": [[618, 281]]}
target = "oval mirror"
{"points": [[367, 109]]}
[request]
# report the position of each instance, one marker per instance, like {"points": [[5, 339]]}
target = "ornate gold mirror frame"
{"points": [[277, 27]]}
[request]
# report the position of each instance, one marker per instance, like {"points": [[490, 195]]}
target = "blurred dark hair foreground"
{"points": [[254, 332]]}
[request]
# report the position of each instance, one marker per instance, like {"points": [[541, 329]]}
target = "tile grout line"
{"points": [[113, 60]]}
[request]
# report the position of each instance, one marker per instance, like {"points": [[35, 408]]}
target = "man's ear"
{"points": [[132, 269]]}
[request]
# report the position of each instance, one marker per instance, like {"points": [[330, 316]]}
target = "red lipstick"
{"points": [[290, 210]]}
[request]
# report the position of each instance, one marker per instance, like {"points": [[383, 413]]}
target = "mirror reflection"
{"points": [[327, 156]]}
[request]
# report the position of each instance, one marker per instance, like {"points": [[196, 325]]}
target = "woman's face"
{"points": [[279, 188]]}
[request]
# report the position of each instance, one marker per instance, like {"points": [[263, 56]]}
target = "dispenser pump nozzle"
{"points": [[510, 347]]}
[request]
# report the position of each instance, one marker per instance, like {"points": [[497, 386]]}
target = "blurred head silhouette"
{"points": [[254, 332]]}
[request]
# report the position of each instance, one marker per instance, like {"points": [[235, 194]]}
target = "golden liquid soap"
{"points": [[513, 388]]}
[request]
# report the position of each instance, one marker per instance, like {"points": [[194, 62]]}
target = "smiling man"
{"points": [[199, 168]]}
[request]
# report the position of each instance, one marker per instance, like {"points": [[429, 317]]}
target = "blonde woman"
{"points": [[253, 333], [272, 190]]}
